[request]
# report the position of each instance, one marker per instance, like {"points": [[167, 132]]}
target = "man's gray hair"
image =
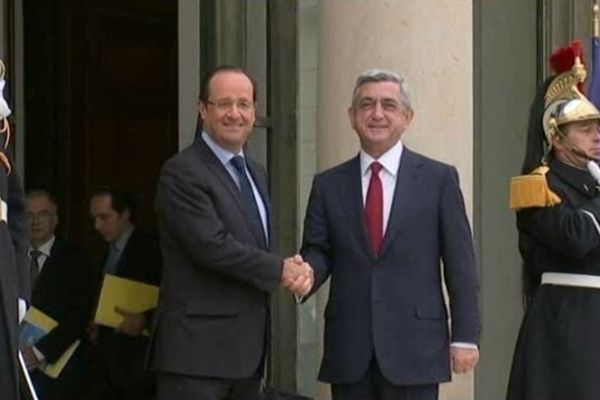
{"points": [[382, 75]]}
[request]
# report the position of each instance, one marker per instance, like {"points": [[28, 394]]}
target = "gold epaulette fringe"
{"points": [[532, 190]]}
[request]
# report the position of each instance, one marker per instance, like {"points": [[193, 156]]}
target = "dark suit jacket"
{"points": [[14, 281], [124, 355], [64, 292], [392, 306], [213, 307]]}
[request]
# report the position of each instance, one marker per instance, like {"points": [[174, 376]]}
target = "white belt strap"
{"points": [[594, 220], [3, 211], [577, 280]]}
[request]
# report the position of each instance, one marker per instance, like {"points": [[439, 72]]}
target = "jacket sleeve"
{"points": [[567, 230], [316, 243], [186, 213], [458, 256]]}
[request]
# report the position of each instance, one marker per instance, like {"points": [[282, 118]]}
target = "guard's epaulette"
{"points": [[532, 190]]}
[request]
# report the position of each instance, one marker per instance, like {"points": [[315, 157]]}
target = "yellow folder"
{"points": [[53, 370], [41, 320], [127, 294], [37, 324]]}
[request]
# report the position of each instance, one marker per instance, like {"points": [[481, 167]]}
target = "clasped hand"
{"points": [[298, 276]]}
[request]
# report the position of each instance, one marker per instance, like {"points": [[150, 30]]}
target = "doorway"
{"points": [[101, 102]]}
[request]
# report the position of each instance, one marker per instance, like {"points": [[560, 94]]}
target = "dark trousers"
{"points": [[108, 385], [375, 386], [185, 387], [72, 383]]}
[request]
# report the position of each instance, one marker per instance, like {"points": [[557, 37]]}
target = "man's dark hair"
{"points": [[205, 86], [120, 200]]}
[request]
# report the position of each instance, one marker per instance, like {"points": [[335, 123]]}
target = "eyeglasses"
{"points": [[227, 105], [41, 215]]}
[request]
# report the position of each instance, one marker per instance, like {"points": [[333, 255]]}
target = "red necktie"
{"points": [[374, 208]]}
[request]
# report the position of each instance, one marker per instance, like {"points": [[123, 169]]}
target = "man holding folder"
{"points": [[61, 289], [135, 256]]}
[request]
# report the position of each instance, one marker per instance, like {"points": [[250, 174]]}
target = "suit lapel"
{"points": [[218, 169], [407, 185], [351, 189], [122, 264], [47, 270], [261, 183]]}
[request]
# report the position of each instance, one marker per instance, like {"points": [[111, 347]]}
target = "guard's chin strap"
{"points": [[573, 147]]}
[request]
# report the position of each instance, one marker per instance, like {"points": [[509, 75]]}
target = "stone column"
{"points": [[430, 43]]}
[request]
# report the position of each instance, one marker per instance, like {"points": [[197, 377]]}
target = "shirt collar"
{"points": [[122, 241], [45, 248], [222, 154], [390, 160]]}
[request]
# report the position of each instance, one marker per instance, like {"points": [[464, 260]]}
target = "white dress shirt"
{"points": [[45, 250]]}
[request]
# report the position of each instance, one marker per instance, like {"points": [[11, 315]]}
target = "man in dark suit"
{"points": [[213, 316], [132, 255], [61, 288], [379, 225]]}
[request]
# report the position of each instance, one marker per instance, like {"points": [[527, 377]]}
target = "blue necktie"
{"points": [[110, 266], [248, 199]]}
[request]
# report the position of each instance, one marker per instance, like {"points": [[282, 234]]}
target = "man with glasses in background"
{"points": [[61, 287]]}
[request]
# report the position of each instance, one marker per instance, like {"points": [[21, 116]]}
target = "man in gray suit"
{"points": [[212, 325]]}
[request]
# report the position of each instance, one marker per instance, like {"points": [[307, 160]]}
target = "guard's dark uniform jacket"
{"points": [[14, 278], [557, 356]]}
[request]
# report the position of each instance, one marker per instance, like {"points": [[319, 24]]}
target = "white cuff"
{"points": [[22, 309], [464, 345]]}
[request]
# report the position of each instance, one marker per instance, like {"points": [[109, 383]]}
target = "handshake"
{"points": [[298, 276]]}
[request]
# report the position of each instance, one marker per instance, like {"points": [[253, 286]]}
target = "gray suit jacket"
{"points": [[213, 311]]}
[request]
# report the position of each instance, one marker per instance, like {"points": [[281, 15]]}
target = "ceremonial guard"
{"points": [[14, 243], [557, 203]]}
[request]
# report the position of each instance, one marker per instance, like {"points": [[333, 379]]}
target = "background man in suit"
{"points": [[61, 288], [132, 255], [379, 224], [214, 214]]}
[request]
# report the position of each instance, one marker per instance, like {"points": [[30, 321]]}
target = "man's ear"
{"points": [[557, 141], [351, 116], [201, 108], [409, 113]]}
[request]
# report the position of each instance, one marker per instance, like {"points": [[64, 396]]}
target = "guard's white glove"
{"points": [[4, 109]]}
